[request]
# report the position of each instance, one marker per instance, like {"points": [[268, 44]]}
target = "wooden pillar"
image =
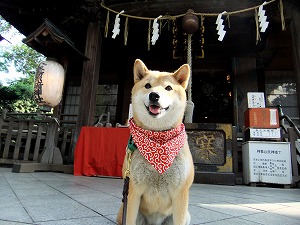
{"points": [[89, 79], [295, 33], [245, 77], [126, 97]]}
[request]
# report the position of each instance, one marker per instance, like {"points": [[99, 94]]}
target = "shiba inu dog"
{"points": [[161, 169]]}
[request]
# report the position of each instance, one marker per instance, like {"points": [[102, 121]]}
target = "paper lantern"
{"points": [[49, 83]]}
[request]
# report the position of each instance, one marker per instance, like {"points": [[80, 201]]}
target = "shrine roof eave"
{"points": [[50, 40]]}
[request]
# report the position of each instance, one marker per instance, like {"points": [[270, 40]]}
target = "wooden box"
{"points": [[261, 118]]}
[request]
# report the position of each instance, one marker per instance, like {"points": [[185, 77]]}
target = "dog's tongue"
{"points": [[154, 109]]}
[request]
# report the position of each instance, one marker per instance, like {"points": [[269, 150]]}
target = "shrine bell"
{"points": [[49, 83], [190, 22]]}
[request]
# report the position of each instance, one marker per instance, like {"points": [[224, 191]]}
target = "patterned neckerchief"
{"points": [[159, 148]]}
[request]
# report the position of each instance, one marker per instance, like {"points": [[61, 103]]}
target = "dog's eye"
{"points": [[169, 88], [147, 86]]}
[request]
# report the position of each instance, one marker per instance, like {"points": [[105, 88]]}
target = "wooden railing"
{"points": [[297, 143], [25, 140], [292, 136]]}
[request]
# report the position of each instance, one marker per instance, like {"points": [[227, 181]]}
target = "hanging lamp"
{"points": [[49, 83]]}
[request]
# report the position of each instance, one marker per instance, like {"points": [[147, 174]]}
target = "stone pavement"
{"points": [[48, 198]]}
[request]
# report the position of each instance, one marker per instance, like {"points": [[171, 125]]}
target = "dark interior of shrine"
{"points": [[213, 69]]}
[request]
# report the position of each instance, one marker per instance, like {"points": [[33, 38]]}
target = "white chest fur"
{"points": [[145, 176]]}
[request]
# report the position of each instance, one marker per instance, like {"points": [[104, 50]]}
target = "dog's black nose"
{"points": [[153, 97]]}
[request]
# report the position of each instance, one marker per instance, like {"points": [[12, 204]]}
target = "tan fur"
{"points": [[159, 199]]}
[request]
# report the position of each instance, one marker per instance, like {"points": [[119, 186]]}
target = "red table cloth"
{"points": [[100, 151]]}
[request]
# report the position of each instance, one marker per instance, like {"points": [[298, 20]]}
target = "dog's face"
{"points": [[159, 98]]}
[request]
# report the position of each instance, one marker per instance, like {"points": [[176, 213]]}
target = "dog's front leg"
{"points": [[180, 202], [133, 204]]}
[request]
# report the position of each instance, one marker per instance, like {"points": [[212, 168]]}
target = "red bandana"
{"points": [[159, 148]]}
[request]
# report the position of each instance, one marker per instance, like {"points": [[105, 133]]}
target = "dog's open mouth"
{"points": [[155, 110]]}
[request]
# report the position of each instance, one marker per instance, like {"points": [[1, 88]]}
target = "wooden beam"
{"points": [[293, 138], [89, 78], [244, 71], [295, 33]]}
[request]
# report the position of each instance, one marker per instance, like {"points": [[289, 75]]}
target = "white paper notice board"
{"points": [[267, 162], [256, 100]]}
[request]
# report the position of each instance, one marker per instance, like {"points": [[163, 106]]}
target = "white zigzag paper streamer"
{"points": [[220, 26], [116, 29], [155, 31], [262, 19]]}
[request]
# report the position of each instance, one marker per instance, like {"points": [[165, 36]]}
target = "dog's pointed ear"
{"points": [[182, 75], [139, 70]]}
